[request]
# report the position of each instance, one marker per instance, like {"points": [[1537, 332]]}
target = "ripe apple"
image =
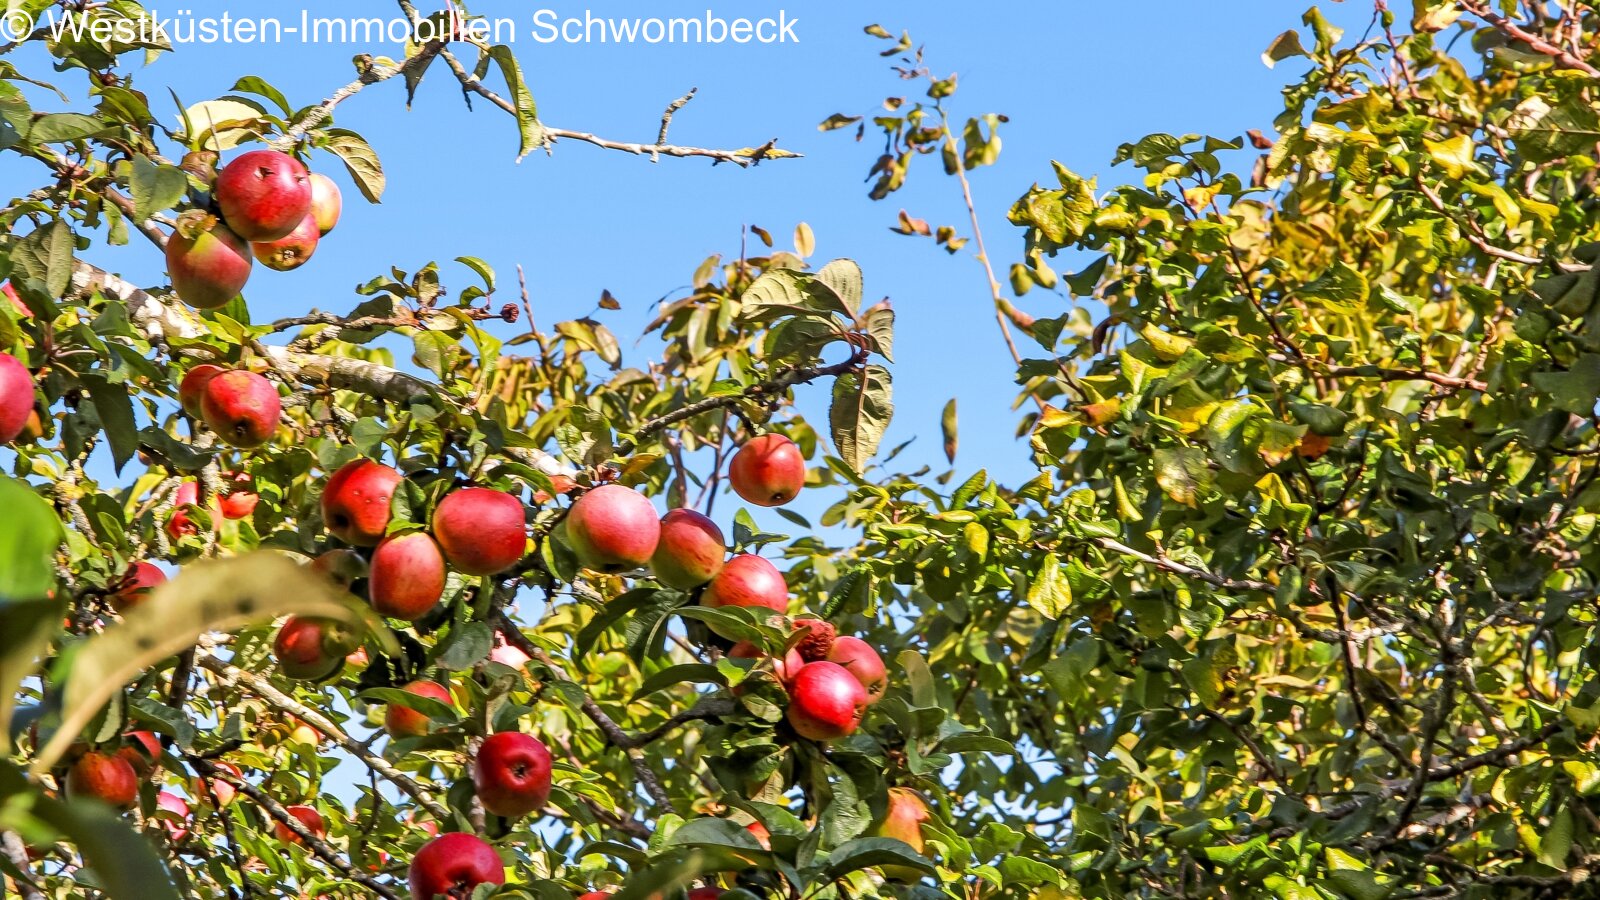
{"points": [[512, 774], [291, 251], [407, 577], [180, 525], [482, 532], [690, 552], [613, 529], [768, 470], [301, 733], [818, 640], [355, 501], [312, 649], [207, 262], [16, 300], [206, 788], [168, 802], [902, 820], [193, 386], [864, 663], [342, 567], [748, 580], [106, 777], [308, 817], [241, 407], [453, 864], [238, 498], [507, 654], [141, 749], [404, 722], [825, 701], [16, 397], [705, 893], [326, 202], [135, 586], [783, 668], [263, 194]]}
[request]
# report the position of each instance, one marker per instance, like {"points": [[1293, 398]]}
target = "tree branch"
{"points": [[1534, 42]]}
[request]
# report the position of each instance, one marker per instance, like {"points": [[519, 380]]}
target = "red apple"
{"points": [[308, 817], [168, 802], [342, 567], [818, 639], [826, 702], [238, 498], [106, 777], [864, 663], [206, 788], [705, 893], [180, 525], [595, 895], [784, 668], [407, 577], [301, 733], [507, 654], [402, 721], [512, 774], [690, 552], [482, 532], [241, 407], [16, 300], [902, 820], [768, 470], [141, 749], [291, 251], [453, 864], [748, 580], [16, 397], [263, 194], [135, 586], [312, 649], [355, 501], [193, 386], [613, 529], [326, 202], [207, 262]]}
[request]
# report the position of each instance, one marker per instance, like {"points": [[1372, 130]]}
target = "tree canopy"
{"points": [[1300, 602]]}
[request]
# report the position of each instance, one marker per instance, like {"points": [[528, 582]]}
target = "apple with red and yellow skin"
{"points": [[863, 662], [768, 470], [902, 820], [107, 777], [291, 251], [355, 502], [21, 308], [453, 865], [327, 203], [306, 816], [242, 407], [481, 531], [16, 397], [826, 702], [512, 774], [181, 525], [303, 734], [224, 792], [208, 263], [312, 649], [238, 499], [690, 550], [341, 567], [168, 802], [407, 577], [750, 581], [135, 586], [193, 386], [784, 668], [403, 722], [507, 654], [613, 529], [141, 749], [263, 194]]}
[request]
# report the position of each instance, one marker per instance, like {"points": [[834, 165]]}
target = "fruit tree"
{"points": [[1300, 603]]}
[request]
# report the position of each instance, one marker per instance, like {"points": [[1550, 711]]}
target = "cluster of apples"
{"points": [[241, 406], [831, 679], [271, 208]]}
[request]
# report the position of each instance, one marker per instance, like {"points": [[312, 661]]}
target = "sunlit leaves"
{"points": [[862, 406]]}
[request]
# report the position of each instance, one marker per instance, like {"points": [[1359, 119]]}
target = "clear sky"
{"points": [[1075, 78]]}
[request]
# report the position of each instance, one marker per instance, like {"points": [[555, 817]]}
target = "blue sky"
{"points": [[1075, 83]]}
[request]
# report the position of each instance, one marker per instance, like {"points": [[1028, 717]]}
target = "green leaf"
{"points": [[30, 532], [880, 324], [689, 673], [1050, 593], [842, 278], [1576, 389], [1341, 289], [155, 187], [466, 646], [58, 127], [1556, 844], [1183, 473], [432, 707], [871, 852], [528, 126], [360, 160], [209, 595], [863, 404], [1282, 47], [114, 405], [947, 427]]}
